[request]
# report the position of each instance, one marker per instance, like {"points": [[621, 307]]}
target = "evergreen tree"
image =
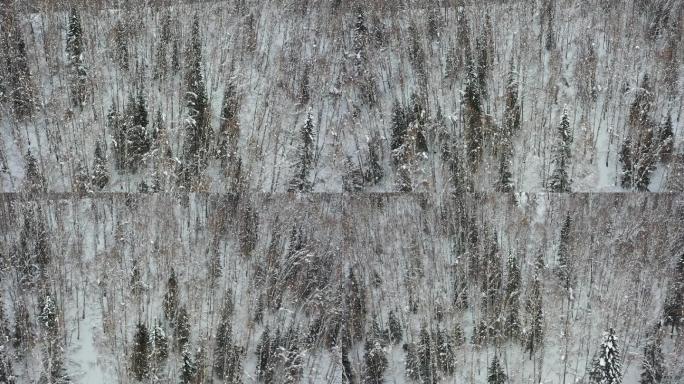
{"points": [[229, 131], [201, 366], [511, 119], [560, 180], [653, 359], [162, 48], [305, 91], [170, 303], [4, 329], [535, 311], [53, 359], [293, 360], [74, 50], [140, 365], [265, 359], [121, 45], [460, 295], [189, 369], [473, 114], [34, 181], [48, 314], [496, 375], [482, 66], [352, 180], [375, 359], [445, 352], [160, 345], [639, 152], [419, 119], [6, 370], [412, 362], [674, 302], [458, 335], [182, 328], [100, 172], [18, 84], [399, 127], [136, 285], [224, 335], [606, 368], [666, 137], [425, 356], [356, 305], [394, 328], [505, 182], [81, 180], [512, 325], [22, 327], [249, 228], [565, 268], [375, 172], [300, 182], [198, 130]]}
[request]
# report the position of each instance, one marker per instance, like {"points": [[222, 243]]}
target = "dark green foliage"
{"points": [[560, 180], [74, 50], [674, 302], [375, 172], [653, 359], [472, 100], [356, 305], [182, 328], [140, 365], [16, 83], [607, 365], [444, 348], [22, 327], [121, 45], [505, 182], [301, 180], [188, 369], [375, 358], [224, 335], [495, 374], [53, 351], [229, 128], [170, 303], [666, 137], [34, 181], [249, 228], [394, 327], [460, 295], [535, 312], [160, 345], [265, 353], [6, 370], [100, 176], [399, 126], [412, 362], [639, 152], [513, 285], [426, 357], [197, 124], [565, 270]]}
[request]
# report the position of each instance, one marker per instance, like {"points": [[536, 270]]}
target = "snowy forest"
{"points": [[387, 96], [328, 288], [341, 191]]}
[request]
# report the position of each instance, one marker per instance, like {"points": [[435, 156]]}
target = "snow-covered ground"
{"points": [[269, 79]]}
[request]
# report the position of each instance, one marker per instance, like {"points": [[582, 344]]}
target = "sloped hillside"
{"points": [[330, 96]]}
